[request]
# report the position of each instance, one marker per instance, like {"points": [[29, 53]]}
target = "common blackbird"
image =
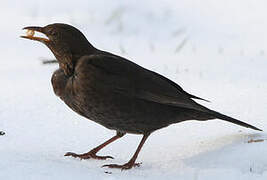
{"points": [[115, 92]]}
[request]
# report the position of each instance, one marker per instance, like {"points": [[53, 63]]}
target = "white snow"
{"points": [[213, 49]]}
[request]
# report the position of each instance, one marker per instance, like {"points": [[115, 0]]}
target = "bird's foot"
{"points": [[126, 166], [89, 155]]}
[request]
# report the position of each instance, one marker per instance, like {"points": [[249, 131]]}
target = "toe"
{"points": [[88, 156], [71, 154], [104, 157], [112, 166], [124, 166]]}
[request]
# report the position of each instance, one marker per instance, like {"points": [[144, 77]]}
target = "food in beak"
{"points": [[30, 33]]}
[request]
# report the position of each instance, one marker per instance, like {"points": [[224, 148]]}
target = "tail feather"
{"points": [[195, 97], [232, 120]]}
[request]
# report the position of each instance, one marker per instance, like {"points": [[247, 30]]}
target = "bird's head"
{"points": [[66, 42]]}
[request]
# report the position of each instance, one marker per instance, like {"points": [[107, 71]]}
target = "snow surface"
{"points": [[213, 49]]}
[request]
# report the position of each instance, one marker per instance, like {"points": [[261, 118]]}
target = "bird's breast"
{"points": [[59, 81]]}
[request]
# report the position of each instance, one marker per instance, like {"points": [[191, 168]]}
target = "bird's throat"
{"points": [[67, 68]]}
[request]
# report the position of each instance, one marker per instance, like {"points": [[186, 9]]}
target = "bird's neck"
{"points": [[68, 62]]}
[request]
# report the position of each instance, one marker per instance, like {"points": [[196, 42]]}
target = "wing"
{"points": [[122, 76], [178, 87]]}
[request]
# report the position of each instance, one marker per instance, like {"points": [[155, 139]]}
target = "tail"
{"points": [[232, 120]]}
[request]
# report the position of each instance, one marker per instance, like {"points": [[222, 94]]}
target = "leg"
{"points": [[130, 163], [92, 154]]}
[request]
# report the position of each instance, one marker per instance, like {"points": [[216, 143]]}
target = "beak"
{"points": [[31, 31]]}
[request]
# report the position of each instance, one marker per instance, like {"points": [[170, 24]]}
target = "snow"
{"points": [[213, 49]]}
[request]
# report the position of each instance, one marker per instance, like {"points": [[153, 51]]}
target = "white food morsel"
{"points": [[30, 33]]}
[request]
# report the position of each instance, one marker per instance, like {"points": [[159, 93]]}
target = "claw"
{"points": [[88, 155]]}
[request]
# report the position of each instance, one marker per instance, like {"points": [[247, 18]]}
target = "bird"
{"points": [[116, 92]]}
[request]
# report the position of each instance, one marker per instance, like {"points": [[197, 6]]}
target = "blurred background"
{"points": [[213, 49]]}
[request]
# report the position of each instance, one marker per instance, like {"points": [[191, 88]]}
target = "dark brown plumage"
{"points": [[116, 92]]}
